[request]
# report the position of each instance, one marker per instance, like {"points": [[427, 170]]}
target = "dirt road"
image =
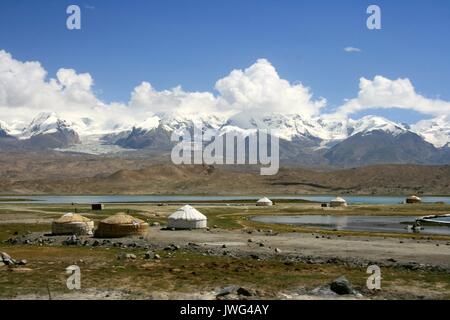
{"points": [[376, 249]]}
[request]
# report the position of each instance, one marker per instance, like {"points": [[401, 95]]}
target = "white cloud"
{"points": [[383, 93], [145, 98], [26, 90], [259, 87], [352, 49]]}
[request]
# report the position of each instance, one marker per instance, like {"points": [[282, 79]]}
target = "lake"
{"points": [[181, 198], [391, 224]]}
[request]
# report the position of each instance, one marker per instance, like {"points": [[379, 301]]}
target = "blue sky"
{"points": [[195, 43]]}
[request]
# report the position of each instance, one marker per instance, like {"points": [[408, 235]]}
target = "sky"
{"points": [[314, 57]]}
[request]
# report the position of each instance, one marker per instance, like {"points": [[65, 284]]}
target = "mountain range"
{"points": [[303, 141]]}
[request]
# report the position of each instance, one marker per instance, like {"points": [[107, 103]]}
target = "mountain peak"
{"points": [[436, 131], [45, 123], [369, 124]]}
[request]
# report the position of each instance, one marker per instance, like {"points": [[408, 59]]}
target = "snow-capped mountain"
{"points": [[369, 124], [286, 127], [435, 131], [47, 130], [45, 123], [155, 132], [178, 121], [325, 139], [289, 127], [4, 129]]}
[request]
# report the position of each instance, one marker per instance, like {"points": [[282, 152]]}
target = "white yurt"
{"points": [[72, 223], [264, 202], [338, 202], [187, 217]]}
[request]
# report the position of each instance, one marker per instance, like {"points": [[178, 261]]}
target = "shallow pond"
{"points": [[392, 224]]}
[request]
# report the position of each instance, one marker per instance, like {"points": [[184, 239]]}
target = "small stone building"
{"points": [[97, 206]]}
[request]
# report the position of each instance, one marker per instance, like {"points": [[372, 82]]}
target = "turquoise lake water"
{"points": [[162, 198]]}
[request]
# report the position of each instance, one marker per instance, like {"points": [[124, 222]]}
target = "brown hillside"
{"points": [[91, 176]]}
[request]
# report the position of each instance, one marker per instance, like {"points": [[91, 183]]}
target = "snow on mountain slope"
{"points": [[4, 129], [435, 131], [149, 124], [323, 132], [45, 123], [324, 128], [177, 121], [368, 124], [287, 127], [333, 128]]}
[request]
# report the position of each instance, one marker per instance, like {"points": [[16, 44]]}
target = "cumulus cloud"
{"points": [[26, 90], [145, 98], [259, 87], [352, 49], [24, 85], [383, 93]]}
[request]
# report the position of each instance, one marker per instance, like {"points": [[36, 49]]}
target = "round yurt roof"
{"points": [[72, 217], [187, 213], [414, 198], [122, 218], [338, 199], [265, 200]]}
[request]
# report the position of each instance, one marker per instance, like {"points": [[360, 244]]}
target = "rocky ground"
{"points": [[265, 244], [260, 246]]}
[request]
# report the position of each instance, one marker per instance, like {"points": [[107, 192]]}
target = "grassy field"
{"points": [[190, 272], [226, 216]]}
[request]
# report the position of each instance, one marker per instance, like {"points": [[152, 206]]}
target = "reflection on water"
{"points": [[395, 224]]}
